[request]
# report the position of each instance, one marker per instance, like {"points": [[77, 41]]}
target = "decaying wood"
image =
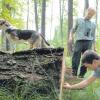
{"points": [[33, 65]]}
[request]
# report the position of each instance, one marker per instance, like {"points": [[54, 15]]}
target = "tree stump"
{"points": [[40, 67]]}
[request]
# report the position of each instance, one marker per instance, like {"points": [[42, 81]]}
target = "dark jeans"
{"points": [[80, 47]]}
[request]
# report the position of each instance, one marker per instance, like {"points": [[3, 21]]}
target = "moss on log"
{"points": [[40, 67]]}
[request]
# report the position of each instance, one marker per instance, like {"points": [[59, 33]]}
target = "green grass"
{"points": [[27, 92], [92, 92]]}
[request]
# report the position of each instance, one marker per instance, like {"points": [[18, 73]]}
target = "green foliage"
{"points": [[60, 39], [11, 11], [89, 93], [28, 91], [75, 4], [98, 39]]}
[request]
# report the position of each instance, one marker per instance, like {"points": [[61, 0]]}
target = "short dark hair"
{"points": [[89, 56]]}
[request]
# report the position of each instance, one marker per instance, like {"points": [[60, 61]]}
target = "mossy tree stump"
{"points": [[40, 67]]}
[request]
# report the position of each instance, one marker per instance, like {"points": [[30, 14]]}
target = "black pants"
{"points": [[80, 47]]}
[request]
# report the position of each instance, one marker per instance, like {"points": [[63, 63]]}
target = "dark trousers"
{"points": [[80, 47]]}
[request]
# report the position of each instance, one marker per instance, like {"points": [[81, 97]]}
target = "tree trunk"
{"points": [[61, 8], [36, 15], [96, 11], [5, 42], [43, 16], [86, 5], [51, 19], [40, 67], [70, 23], [27, 20], [7, 45]]}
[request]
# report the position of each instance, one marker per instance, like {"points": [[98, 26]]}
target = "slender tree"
{"points": [[43, 16], [36, 15], [61, 8], [51, 18], [5, 42], [27, 22], [10, 12], [86, 6], [70, 24], [96, 11]]}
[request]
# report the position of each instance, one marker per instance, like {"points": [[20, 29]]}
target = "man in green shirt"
{"points": [[84, 30], [90, 60]]}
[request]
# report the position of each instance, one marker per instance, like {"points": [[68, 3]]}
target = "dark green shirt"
{"points": [[85, 29]]}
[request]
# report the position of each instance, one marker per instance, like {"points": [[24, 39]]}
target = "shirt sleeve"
{"points": [[96, 74], [73, 30]]}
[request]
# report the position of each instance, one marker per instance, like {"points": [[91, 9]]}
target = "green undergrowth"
{"points": [[92, 92]]}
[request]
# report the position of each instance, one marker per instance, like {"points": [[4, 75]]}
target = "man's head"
{"points": [[90, 13], [90, 59]]}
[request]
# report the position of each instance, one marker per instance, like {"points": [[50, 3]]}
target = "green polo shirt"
{"points": [[84, 29]]}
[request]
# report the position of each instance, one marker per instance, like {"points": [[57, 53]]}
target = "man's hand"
{"points": [[81, 84], [67, 86]]}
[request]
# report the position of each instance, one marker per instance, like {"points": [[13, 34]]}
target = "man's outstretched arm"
{"points": [[80, 85]]}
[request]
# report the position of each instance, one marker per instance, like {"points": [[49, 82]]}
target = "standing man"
{"points": [[84, 30]]}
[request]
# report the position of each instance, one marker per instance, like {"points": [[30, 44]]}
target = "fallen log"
{"points": [[41, 67]]}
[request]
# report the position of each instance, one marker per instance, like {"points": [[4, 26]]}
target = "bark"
{"points": [[36, 15], [27, 20], [86, 6], [70, 24], [6, 44], [70, 15], [61, 8], [41, 67], [43, 16]]}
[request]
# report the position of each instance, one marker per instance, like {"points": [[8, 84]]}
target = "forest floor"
{"points": [[68, 77]]}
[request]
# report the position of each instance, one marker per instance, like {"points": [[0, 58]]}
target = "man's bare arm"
{"points": [[80, 85]]}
